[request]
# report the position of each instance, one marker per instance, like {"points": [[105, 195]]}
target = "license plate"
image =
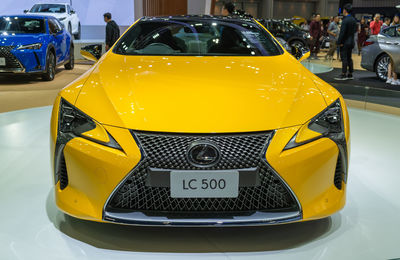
{"points": [[2, 61], [204, 184]]}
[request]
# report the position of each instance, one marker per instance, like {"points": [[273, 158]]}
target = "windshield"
{"points": [[48, 8], [292, 26], [393, 31], [17, 25], [197, 37]]}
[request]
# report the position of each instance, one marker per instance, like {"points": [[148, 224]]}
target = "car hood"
{"points": [[20, 39], [56, 15], [200, 94]]}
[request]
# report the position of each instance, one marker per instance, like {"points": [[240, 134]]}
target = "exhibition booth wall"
{"points": [[90, 13]]}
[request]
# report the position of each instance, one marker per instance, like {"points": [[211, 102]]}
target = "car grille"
{"points": [[11, 61], [168, 151]]}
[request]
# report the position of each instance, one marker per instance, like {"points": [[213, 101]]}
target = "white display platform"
{"points": [[316, 68], [31, 227]]}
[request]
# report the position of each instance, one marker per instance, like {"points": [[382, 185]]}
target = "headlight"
{"points": [[328, 123], [74, 123], [35, 46], [306, 36]]}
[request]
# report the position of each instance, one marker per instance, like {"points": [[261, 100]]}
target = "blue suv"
{"points": [[34, 44]]}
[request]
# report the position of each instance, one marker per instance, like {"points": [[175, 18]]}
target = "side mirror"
{"points": [[301, 53], [57, 32], [92, 52], [25, 11], [72, 11]]}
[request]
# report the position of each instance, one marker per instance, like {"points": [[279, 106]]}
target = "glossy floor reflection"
{"points": [[31, 227], [317, 68]]}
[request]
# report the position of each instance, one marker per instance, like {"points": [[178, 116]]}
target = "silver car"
{"points": [[379, 49]]}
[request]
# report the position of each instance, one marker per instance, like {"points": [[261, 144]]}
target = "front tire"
{"points": [[50, 67], [70, 28], [381, 67], [71, 63], [78, 35]]}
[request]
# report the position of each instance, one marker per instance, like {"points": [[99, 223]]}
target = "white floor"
{"points": [[32, 228]]}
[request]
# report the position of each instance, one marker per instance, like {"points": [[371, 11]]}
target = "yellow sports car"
{"points": [[199, 120]]}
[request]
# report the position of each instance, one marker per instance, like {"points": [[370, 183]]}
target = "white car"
{"points": [[61, 11]]}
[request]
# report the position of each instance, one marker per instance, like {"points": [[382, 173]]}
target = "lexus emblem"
{"points": [[203, 154]]}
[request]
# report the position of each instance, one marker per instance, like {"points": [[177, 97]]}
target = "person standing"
{"points": [[376, 25], [346, 43], [392, 76], [396, 20], [228, 9], [315, 33], [362, 34], [386, 23], [305, 26], [333, 32], [112, 31]]}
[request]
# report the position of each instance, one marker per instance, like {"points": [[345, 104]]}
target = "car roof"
{"points": [[49, 3], [200, 17], [28, 16], [276, 20]]}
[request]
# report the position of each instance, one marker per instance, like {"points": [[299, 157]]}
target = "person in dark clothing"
{"points": [[362, 34], [315, 33], [112, 31], [346, 42], [228, 9]]}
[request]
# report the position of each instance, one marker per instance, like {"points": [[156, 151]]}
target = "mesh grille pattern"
{"points": [[339, 175], [63, 176], [11, 61], [169, 152]]}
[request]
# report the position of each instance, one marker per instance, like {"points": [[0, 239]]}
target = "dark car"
{"points": [[34, 44], [287, 30]]}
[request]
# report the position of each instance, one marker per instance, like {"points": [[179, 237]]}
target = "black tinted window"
{"points": [[48, 8], [392, 31], [197, 37], [21, 25]]}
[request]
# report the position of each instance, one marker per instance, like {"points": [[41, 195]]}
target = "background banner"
{"points": [[90, 12]]}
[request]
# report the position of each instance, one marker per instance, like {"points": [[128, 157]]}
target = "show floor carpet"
{"points": [[31, 227], [24, 91]]}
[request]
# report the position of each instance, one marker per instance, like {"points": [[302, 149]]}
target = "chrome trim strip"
{"points": [[142, 156], [280, 178], [19, 70], [14, 70], [258, 218]]}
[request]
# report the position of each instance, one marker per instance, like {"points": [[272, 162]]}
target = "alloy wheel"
{"points": [[382, 67]]}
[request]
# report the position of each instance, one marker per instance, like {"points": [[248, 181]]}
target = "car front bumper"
{"points": [[22, 61], [95, 172]]}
